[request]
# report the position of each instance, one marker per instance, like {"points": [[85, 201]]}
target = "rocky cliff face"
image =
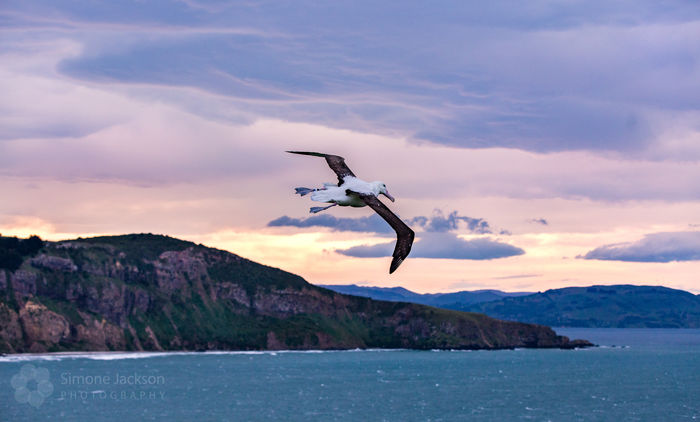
{"points": [[146, 292]]}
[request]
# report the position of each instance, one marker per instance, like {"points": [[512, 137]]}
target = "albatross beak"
{"points": [[388, 196]]}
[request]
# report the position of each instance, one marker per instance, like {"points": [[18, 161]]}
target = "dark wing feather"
{"points": [[404, 234], [335, 162]]}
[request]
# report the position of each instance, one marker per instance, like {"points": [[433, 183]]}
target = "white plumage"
{"points": [[345, 196]]}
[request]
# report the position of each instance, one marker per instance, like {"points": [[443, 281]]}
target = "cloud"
{"points": [[510, 277], [371, 251], [540, 221], [371, 224], [441, 245], [655, 247], [375, 224], [439, 223], [437, 240], [124, 115], [153, 147], [462, 86]]}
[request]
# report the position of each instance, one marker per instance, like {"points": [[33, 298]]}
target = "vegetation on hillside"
{"points": [[13, 250], [151, 292]]}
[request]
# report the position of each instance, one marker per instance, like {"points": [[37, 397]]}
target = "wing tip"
{"points": [[315, 154], [395, 264]]}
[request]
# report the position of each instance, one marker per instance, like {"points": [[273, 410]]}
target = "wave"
{"points": [[27, 357], [24, 357]]}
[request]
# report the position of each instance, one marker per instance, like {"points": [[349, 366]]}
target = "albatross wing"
{"points": [[335, 162], [404, 234]]}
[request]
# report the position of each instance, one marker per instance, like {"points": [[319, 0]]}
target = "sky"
{"points": [[531, 145]]}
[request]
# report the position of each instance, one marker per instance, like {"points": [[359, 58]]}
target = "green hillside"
{"points": [[152, 292]]}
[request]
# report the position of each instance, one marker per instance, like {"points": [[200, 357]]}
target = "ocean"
{"points": [[636, 375]]}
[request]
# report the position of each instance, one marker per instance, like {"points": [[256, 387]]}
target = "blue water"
{"points": [[650, 375]]}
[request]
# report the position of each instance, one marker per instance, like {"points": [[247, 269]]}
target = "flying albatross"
{"points": [[353, 192]]}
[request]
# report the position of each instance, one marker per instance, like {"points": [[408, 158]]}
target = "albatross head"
{"points": [[380, 188]]}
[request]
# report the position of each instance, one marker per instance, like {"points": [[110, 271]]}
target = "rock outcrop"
{"points": [[147, 292]]}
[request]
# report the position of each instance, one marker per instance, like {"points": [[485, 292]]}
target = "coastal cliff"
{"points": [[152, 292]]}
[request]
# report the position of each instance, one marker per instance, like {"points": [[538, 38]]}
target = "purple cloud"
{"points": [[438, 222], [655, 247], [441, 223], [441, 245], [462, 86], [372, 224]]}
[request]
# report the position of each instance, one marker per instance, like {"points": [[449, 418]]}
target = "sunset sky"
{"points": [[531, 145]]}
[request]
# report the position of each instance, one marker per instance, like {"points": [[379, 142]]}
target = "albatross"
{"points": [[354, 192]]}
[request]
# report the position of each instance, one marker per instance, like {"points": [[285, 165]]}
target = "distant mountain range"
{"points": [[457, 300], [622, 306], [151, 292]]}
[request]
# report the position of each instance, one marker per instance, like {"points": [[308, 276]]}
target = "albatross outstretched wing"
{"points": [[335, 162], [404, 234]]}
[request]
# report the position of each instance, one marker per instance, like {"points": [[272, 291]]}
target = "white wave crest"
{"points": [[27, 357]]}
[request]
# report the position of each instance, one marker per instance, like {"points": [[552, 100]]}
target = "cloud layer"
{"points": [[374, 66], [436, 240], [438, 222], [371, 224], [441, 245], [441, 223], [194, 100], [656, 247]]}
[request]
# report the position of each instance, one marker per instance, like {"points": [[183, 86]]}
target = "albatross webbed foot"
{"points": [[314, 210]]}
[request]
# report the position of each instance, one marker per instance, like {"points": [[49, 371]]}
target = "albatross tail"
{"points": [[303, 191]]}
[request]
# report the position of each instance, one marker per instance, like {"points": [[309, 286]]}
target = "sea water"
{"points": [[635, 375]]}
